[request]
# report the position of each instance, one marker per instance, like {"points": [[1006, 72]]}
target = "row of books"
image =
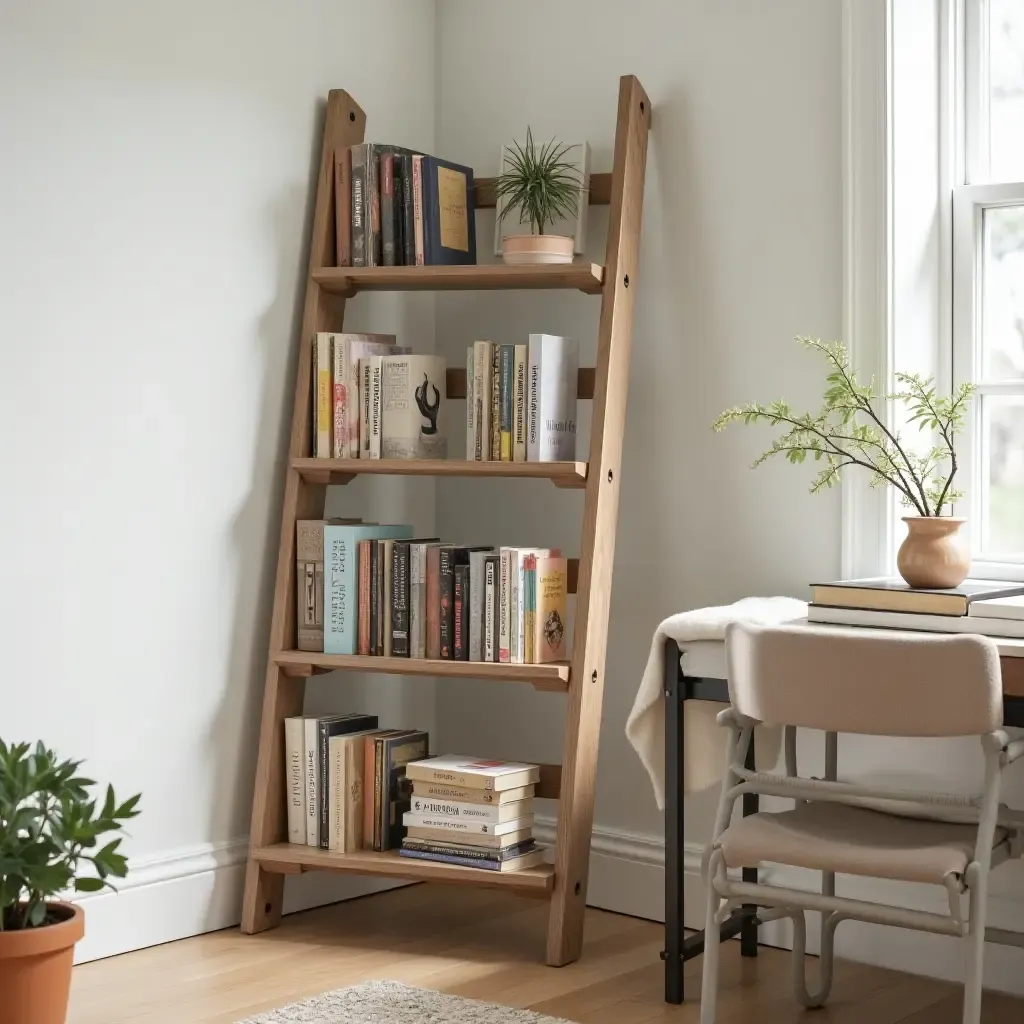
{"points": [[477, 814], [374, 399], [345, 781], [370, 589], [521, 400], [989, 607], [395, 208]]}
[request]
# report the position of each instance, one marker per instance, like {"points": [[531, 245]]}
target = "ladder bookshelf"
{"points": [[564, 883]]}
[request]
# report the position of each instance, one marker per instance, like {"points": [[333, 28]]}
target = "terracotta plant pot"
{"points": [[35, 968], [933, 555], [534, 249]]}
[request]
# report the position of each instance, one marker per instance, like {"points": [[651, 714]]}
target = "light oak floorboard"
{"points": [[482, 944]]}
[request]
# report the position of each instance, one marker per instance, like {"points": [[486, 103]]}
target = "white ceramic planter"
{"points": [[518, 250]]}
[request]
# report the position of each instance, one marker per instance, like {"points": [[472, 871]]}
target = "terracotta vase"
{"points": [[933, 555], [35, 968], [533, 249]]}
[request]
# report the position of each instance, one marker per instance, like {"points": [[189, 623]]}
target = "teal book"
{"points": [[341, 580]]}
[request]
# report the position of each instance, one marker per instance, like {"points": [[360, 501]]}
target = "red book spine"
{"points": [[433, 602], [363, 624]]}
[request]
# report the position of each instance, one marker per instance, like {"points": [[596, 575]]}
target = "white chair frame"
{"points": [[726, 893]]}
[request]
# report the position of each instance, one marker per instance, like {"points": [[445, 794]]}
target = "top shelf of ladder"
{"points": [[584, 277]]}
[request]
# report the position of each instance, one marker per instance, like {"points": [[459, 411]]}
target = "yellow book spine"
{"points": [[323, 395], [550, 622]]}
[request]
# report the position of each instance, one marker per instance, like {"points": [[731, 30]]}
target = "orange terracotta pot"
{"points": [[933, 555], [35, 968]]}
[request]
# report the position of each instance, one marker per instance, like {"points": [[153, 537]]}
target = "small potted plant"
{"points": [[50, 828], [847, 431], [542, 186]]}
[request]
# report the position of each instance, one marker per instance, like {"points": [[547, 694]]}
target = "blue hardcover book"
{"points": [[449, 213], [341, 581]]}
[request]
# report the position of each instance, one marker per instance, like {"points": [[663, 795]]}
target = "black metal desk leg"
{"points": [[751, 802], [673, 953]]}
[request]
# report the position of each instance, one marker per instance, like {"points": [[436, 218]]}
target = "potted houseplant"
{"points": [[50, 828], [847, 431], [541, 185]]}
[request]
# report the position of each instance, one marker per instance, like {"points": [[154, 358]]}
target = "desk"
{"points": [[698, 672]]}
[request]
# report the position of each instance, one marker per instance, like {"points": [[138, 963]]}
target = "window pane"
{"points": [[1006, 90], [1003, 294], [1002, 442]]}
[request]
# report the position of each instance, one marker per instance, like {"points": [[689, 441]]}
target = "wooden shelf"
{"points": [[586, 277], [291, 858], [341, 471], [306, 663]]}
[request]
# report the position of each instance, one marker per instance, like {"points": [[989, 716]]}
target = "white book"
{"points": [[312, 783], [998, 608], [489, 624], [504, 565], [348, 350], [482, 828], [375, 385], [295, 779], [470, 406], [494, 813], [552, 373], [519, 403], [514, 603], [922, 622], [483, 358], [322, 412], [476, 603], [411, 389], [465, 795], [472, 772]]}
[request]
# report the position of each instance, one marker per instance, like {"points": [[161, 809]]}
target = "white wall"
{"points": [[155, 198], [741, 250]]}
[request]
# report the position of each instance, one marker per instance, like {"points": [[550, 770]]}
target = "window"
{"points": [[988, 278]]}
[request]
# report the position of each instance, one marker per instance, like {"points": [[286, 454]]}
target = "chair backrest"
{"points": [[876, 682]]}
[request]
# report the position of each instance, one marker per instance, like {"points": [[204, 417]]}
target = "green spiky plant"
{"points": [[49, 828], [539, 183], [848, 431]]}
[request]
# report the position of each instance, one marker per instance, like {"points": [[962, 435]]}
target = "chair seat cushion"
{"points": [[853, 841]]}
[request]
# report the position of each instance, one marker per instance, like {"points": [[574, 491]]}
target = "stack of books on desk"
{"points": [[989, 607], [474, 813]]}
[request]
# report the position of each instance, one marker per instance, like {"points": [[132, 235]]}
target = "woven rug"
{"points": [[388, 1002]]}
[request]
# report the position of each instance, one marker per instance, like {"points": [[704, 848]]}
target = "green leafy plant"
{"points": [[848, 431], [50, 828], [539, 183]]}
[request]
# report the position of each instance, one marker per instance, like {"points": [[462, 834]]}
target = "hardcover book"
{"points": [[451, 556], [370, 369], [396, 752], [449, 212], [417, 210], [326, 728], [893, 595], [341, 589], [364, 643], [507, 386], [490, 628], [309, 580], [483, 362], [461, 848], [343, 206], [550, 597], [469, 828], [552, 376], [470, 407], [359, 207], [387, 581], [495, 446], [344, 790], [412, 386], [917, 621], [504, 594], [322, 395], [479, 841], [294, 748], [460, 639], [400, 587], [443, 791], [493, 814], [474, 773], [407, 211], [387, 209], [519, 403], [433, 604], [526, 860], [477, 593]]}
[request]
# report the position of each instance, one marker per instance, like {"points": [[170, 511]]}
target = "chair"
{"points": [[878, 683]]}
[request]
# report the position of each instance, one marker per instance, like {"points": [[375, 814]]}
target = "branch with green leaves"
{"points": [[50, 828], [849, 430]]}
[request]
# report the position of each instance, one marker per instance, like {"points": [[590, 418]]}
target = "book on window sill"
{"points": [[868, 619], [892, 594]]}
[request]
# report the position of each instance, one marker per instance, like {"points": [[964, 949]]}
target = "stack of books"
{"points": [[989, 607], [521, 400], [397, 208], [368, 589], [478, 814], [346, 781], [373, 399]]}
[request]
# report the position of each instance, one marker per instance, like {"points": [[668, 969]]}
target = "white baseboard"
{"points": [[193, 891], [627, 872]]}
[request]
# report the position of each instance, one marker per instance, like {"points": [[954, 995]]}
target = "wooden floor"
{"points": [[482, 945]]}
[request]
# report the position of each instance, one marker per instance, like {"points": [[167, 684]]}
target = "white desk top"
{"points": [[706, 658]]}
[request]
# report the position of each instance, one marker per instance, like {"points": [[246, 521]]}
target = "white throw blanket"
{"points": [[646, 724]]}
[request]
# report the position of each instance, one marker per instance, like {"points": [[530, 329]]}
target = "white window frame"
{"points": [[973, 194]]}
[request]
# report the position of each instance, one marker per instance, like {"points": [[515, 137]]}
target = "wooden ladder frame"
{"points": [[270, 856]]}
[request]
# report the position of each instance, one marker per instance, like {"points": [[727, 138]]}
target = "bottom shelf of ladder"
{"points": [[293, 858]]}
